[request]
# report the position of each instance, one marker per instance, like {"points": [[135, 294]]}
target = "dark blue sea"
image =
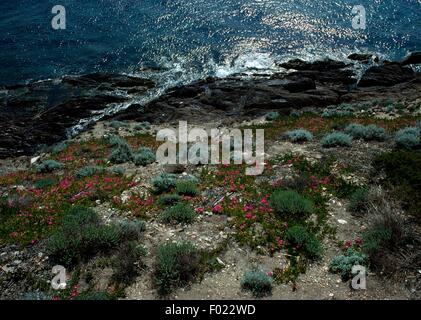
{"points": [[185, 40]]}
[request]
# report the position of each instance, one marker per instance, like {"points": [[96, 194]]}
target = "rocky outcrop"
{"points": [[412, 58], [363, 57], [386, 75], [40, 113]]}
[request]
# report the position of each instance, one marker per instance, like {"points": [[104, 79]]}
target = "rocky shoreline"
{"points": [[40, 114]]}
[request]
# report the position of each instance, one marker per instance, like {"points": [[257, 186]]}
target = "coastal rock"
{"points": [[40, 113], [412, 58], [322, 65], [386, 75], [363, 57]]}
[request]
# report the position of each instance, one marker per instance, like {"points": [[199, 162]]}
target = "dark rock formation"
{"points": [[363, 57], [40, 113], [412, 58], [386, 75]]}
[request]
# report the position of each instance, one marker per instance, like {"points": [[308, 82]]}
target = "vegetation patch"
{"points": [[336, 139], [304, 241], [258, 283], [289, 203], [299, 135], [49, 166], [180, 213], [177, 264]]}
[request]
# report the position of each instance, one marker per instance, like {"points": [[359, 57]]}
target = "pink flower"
{"points": [[280, 242], [264, 200], [199, 210], [269, 273], [217, 209], [249, 216], [248, 207]]}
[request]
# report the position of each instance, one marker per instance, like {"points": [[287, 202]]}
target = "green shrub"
{"points": [[375, 133], [299, 135], [368, 133], [181, 213], [59, 147], [164, 183], [358, 201], [143, 126], [336, 139], [131, 229], [356, 130], [258, 282], [407, 138], [144, 157], [176, 265], [343, 110], [126, 263], [186, 187], [290, 203], [96, 296], [401, 170], [117, 124], [115, 140], [45, 183], [80, 236], [342, 264], [89, 171], [305, 240], [49, 166], [169, 199], [271, 116], [36, 296], [117, 171], [121, 154]]}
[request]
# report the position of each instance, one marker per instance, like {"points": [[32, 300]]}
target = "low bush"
{"points": [[375, 133], [80, 236], [176, 265], [271, 116], [48, 166], [45, 183], [301, 237], [144, 157], [187, 188], [358, 201], [117, 171], [121, 154], [258, 282], [96, 296], [368, 133], [336, 139], [389, 242], [343, 110], [407, 138], [131, 229], [164, 183], [299, 135], [169, 199], [117, 124], [115, 140], [143, 126], [181, 213], [59, 147], [290, 203], [342, 264], [89, 171], [127, 262], [401, 173]]}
